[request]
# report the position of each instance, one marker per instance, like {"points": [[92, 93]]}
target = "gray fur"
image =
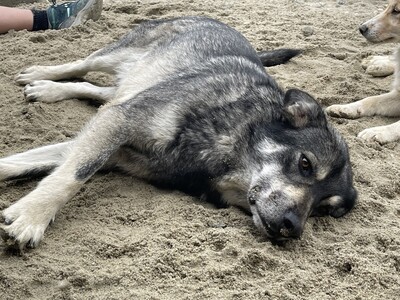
{"points": [[194, 109]]}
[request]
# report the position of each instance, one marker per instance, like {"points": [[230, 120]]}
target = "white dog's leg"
{"points": [[382, 134], [39, 160], [379, 66], [384, 105], [27, 219], [50, 91]]}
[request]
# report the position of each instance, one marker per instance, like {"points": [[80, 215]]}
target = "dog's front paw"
{"points": [[348, 111], [24, 224], [379, 66], [380, 134], [33, 73]]}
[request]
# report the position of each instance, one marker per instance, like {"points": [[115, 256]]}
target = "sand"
{"points": [[120, 238]]}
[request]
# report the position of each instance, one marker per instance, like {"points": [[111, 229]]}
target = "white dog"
{"points": [[383, 27]]}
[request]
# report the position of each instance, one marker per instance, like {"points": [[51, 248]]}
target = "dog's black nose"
{"points": [[290, 226], [363, 29]]}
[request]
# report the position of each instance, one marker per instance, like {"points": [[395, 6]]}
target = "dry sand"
{"points": [[120, 238]]}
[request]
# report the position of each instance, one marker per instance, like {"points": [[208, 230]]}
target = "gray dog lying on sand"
{"points": [[193, 109]]}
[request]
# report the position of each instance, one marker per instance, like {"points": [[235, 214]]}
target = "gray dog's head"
{"points": [[301, 168]]}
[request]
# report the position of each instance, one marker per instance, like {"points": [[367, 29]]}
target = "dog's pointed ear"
{"points": [[301, 109]]}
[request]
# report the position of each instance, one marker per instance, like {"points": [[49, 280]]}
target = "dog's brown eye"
{"points": [[305, 166]]}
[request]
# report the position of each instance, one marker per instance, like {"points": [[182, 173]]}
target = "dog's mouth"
{"points": [[375, 40], [264, 227], [272, 217], [391, 40], [269, 230]]}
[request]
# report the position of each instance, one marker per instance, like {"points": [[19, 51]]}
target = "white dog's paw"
{"points": [[349, 111], [380, 134], [44, 91], [34, 73], [24, 223], [379, 66]]}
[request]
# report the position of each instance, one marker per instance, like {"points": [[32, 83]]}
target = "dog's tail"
{"points": [[277, 57]]}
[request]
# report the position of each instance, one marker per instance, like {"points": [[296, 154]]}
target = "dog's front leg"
{"points": [[27, 219], [382, 134], [383, 105], [33, 162]]}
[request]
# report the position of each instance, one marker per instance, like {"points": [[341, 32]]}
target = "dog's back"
{"points": [[159, 49]]}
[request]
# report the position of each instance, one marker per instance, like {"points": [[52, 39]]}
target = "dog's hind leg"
{"points": [[27, 219], [50, 91], [33, 162], [98, 61], [65, 71], [132, 47]]}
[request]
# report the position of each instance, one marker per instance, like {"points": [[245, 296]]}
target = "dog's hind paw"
{"points": [[348, 111], [379, 66], [34, 73]]}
